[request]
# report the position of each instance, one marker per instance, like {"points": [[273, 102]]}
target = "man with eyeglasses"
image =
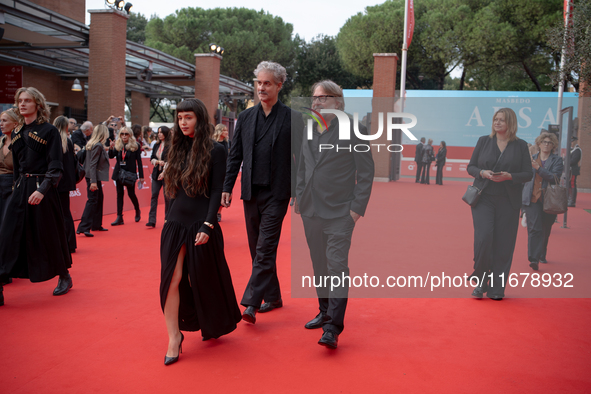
{"points": [[266, 145], [333, 190]]}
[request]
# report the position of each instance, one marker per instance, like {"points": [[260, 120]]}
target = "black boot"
{"points": [[138, 215], [64, 285], [118, 221]]}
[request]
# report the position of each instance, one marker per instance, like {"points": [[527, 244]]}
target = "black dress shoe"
{"points": [[478, 292], [88, 234], [533, 265], [330, 339], [138, 215], [249, 314], [496, 298], [150, 224], [543, 261], [101, 229], [118, 221], [172, 360], [64, 285], [269, 306], [318, 321]]}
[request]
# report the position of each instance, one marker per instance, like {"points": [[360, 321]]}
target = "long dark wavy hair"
{"points": [[188, 158]]}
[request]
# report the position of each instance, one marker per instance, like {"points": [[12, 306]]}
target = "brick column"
{"points": [[106, 71], [387, 165], [207, 81], [584, 135], [140, 109]]}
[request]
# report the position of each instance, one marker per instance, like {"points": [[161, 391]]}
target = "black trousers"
{"points": [[68, 220], [425, 173], [264, 216], [419, 168], [6, 181], [573, 191], [156, 186], [539, 226], [329, 241], [439, 175], [92, 217], [130, 193], [495, 232]]}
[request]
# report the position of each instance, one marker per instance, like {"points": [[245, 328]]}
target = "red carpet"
{"points": [[108, 335]]}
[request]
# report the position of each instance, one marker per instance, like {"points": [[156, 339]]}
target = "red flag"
{"points": [[411, 22]]}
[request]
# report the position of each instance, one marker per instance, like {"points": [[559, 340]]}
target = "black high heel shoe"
{"points": [[172, 360]]}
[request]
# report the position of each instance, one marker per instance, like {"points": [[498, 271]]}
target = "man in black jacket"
{"points": [[419, 158], [263, 143], [575, 170], [81, 136], [333, 189]]}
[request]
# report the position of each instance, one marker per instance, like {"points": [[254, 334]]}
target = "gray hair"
{"points": [[277, 69], [332, 89], [86, 125]]}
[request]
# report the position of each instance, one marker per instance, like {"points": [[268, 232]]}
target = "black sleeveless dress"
{"points": [[207, 298]]}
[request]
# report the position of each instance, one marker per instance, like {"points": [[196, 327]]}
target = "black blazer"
{"points": [[157, 170], [284, 154], [339, 182], [419, 153], [516, 161], [131, 159], [441, 156]]}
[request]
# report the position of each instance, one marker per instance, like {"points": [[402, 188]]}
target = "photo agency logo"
{"points": [[345, 130]]}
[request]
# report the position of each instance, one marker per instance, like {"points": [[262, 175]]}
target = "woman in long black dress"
{"points": [[158, 160], [68, 181], [8, 122], [196, 291], [34, 244], [440, 161], [129, 158]]}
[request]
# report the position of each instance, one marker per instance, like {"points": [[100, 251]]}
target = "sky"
{"points": [[308, 17]]}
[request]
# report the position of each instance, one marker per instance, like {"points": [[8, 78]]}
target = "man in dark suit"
{"points": [[333, 189], [81, 136], [262, 143], [575, 170], [419, 158]]}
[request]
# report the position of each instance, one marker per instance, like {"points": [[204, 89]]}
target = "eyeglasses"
{"points": [[547, 142], [124, 134], [321, 99]]}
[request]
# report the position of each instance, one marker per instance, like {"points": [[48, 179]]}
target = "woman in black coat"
{"points": [[440, 162], [500, 164], [129, 158], [546, 169], [68, 181], [158, 160]]}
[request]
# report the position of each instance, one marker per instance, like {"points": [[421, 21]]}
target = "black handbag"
{"points": [[555, 198], [472, 195], [81, 155], [128, 178], [80, 172]]}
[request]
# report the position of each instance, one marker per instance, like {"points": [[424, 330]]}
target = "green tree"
{"points": [[577, 67], [247, 36], [319, 60], [136, 28]]}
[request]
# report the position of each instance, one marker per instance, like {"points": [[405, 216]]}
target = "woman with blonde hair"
{"points": [[34, 244], [68, 181], [96, 166], [500, 165], [8, 122], [129, 162], [220, 135], [547, 169]]}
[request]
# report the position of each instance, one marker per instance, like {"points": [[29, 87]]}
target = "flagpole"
{"points": [[562, 62], [404, 53]]}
